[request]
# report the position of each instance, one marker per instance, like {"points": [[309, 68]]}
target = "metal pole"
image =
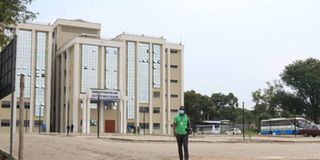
{"points": [[243, 121], [21, 118], [98, 119]]}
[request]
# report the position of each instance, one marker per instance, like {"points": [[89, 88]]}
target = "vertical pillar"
{"points": [[122, 86], [48, 80], [84, 114], [62, 88], [163, 90], [137, 85], [150, 89], [102, 85], [32, 79], [67, 99], [101, 117], [76, 86], [168, 93], [88, 114]]}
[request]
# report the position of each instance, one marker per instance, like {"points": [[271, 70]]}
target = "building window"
{"points": [[156, 65], [144, 62], [174, 110], [144, 109], [23, 61], [5, 104], [173, 81], [156, 94], [89, 76], [144, 126], [131, 87], [111, 68], [40, 78], [174, 51], [156, 125], [173, 66], [156, 110], [93, 122], [37, 123], [5, 122], [174, 95]]}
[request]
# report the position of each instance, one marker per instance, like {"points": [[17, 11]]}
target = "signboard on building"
{"points": [[8, 68], [105, 95]]}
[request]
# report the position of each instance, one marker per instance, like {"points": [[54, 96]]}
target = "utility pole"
{"points": [[98, 119], [21, 118], [243, 121], [68, 127]]}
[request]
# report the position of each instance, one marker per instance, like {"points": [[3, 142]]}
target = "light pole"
{"points": [[243, 121]]}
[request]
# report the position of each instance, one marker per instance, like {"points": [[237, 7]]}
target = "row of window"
{"points": [[146, 109], [146, 125], [157, 95], [6, 104], [6, 123]]}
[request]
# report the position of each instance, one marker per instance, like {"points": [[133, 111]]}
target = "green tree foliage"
{"points": [[217, 107], [13, 12], [303, 77]]}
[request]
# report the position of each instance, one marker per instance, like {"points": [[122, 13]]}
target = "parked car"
{"points": [[234, 131], [311, 130]]}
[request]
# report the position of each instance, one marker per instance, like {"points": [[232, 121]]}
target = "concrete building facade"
{"points": [[145, 71]]}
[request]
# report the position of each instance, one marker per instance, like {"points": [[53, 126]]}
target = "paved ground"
{"points": [[118, 147]]}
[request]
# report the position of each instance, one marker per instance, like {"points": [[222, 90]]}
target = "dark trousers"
{"points": [[182, 140]]}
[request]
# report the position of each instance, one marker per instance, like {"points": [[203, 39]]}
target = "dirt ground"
{"points": [[77, 147]]}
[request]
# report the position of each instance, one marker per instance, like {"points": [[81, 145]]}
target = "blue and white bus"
{"points": [[282, 126]]}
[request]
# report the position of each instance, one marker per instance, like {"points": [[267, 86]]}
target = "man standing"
{"points": [[181, 129]]}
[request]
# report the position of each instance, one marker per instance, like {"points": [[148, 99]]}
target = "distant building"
{"points": [[64, 61]]}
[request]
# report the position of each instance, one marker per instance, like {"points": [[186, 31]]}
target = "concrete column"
{"points": [[137, 86], [84, 114], [48, 80], [33, 75], [122, 86], [163, 90], [67, 100], [101, 118], [62, 84], [168, 92], [76, 86], [102, 85], [88, 115], [150, 89]]}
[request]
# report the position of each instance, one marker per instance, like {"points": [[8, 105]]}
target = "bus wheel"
{"points": [[306, 135], [314, 135]]}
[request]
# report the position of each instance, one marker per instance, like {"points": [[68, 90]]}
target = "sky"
{"points": [[230, 45]]}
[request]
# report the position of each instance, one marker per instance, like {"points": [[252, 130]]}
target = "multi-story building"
{"points": [[145, 72], [33, 59]]}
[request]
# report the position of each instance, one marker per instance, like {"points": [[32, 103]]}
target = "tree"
{"points": [[303, 76], [13, 12]]}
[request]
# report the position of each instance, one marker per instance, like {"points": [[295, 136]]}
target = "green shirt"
{"points": [[181, 123]]}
